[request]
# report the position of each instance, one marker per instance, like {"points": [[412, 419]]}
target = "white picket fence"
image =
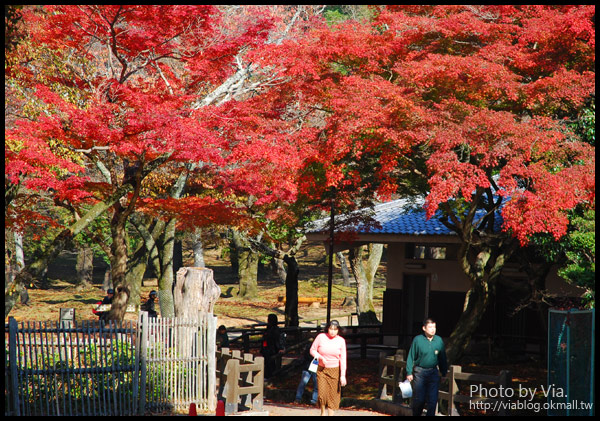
{"points": [[178, 362], [119, 369]]}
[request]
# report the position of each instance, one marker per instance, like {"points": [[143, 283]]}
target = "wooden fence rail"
{"points": [[392, 370], [241, 380], [495, 384]]}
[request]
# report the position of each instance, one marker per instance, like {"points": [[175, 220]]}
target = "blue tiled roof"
{"points": [[402, 217]]}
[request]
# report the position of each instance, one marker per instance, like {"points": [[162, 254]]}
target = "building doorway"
{"points": [[415, 304]]}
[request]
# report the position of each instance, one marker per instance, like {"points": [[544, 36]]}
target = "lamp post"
{"points": [[330, 274]]}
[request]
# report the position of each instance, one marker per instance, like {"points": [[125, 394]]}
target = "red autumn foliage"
{"points": [[131, 99], [469, 98]]}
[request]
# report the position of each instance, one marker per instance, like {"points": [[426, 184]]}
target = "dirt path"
{"points": [[289, 410]]}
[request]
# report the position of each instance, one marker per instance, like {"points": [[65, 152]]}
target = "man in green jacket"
{"points": [[426, 360]]}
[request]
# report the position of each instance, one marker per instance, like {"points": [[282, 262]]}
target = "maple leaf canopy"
{"points": [[471, 99]]}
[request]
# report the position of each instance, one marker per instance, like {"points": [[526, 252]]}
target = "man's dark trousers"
{"points": [[426, 384]]}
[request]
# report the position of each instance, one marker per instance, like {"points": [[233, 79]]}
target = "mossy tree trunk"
{"points": [[364, 274], [247, 265], [482, 264]]}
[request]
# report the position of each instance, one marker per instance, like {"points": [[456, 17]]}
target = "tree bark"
{"points": [[195, 290], [247, 262], [166, 246], [344, 268], [119, 304], [85, 267], [278, 268], [198, 249], [119, 265], [482, 264], [364, 280], [136, 268], [146, 254], [291, 291]]}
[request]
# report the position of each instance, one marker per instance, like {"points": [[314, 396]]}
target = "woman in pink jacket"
{"points": [[330, 349]]}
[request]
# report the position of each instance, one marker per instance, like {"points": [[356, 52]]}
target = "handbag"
{"points": [[314, 365]]}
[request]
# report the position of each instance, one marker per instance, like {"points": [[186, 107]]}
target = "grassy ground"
{"points": [[45, 304]]}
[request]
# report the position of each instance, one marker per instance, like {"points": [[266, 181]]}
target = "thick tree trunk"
{"points": [[136, 268], [364, 281], [19, 253], [248, 273], [344, 268], [278, 268], [291, 291], [483, 266], [195, 290], [476, 302], [119, 266], [247, 263], [375, 253], [84, 267], [198, 249], [165, 276], [119, 304]]}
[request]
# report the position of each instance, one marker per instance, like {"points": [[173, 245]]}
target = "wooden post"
{"points": [[398, 371], [452, 386], [211, 338], [382, 394], [259, 379], [12, 329], [232, 371], [505, 380], [363, 347]]}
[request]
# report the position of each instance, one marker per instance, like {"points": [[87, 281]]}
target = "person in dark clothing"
{"points": [[272, 346], [110, 293], [222, 337], [426, 360], [307, 375], [149, 305]]}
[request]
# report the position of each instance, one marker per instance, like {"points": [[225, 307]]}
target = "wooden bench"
{"points": [[314, 301]]}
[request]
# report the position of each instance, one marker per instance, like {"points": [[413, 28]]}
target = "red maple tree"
{"points": [[464, 104], [139, 94]]}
